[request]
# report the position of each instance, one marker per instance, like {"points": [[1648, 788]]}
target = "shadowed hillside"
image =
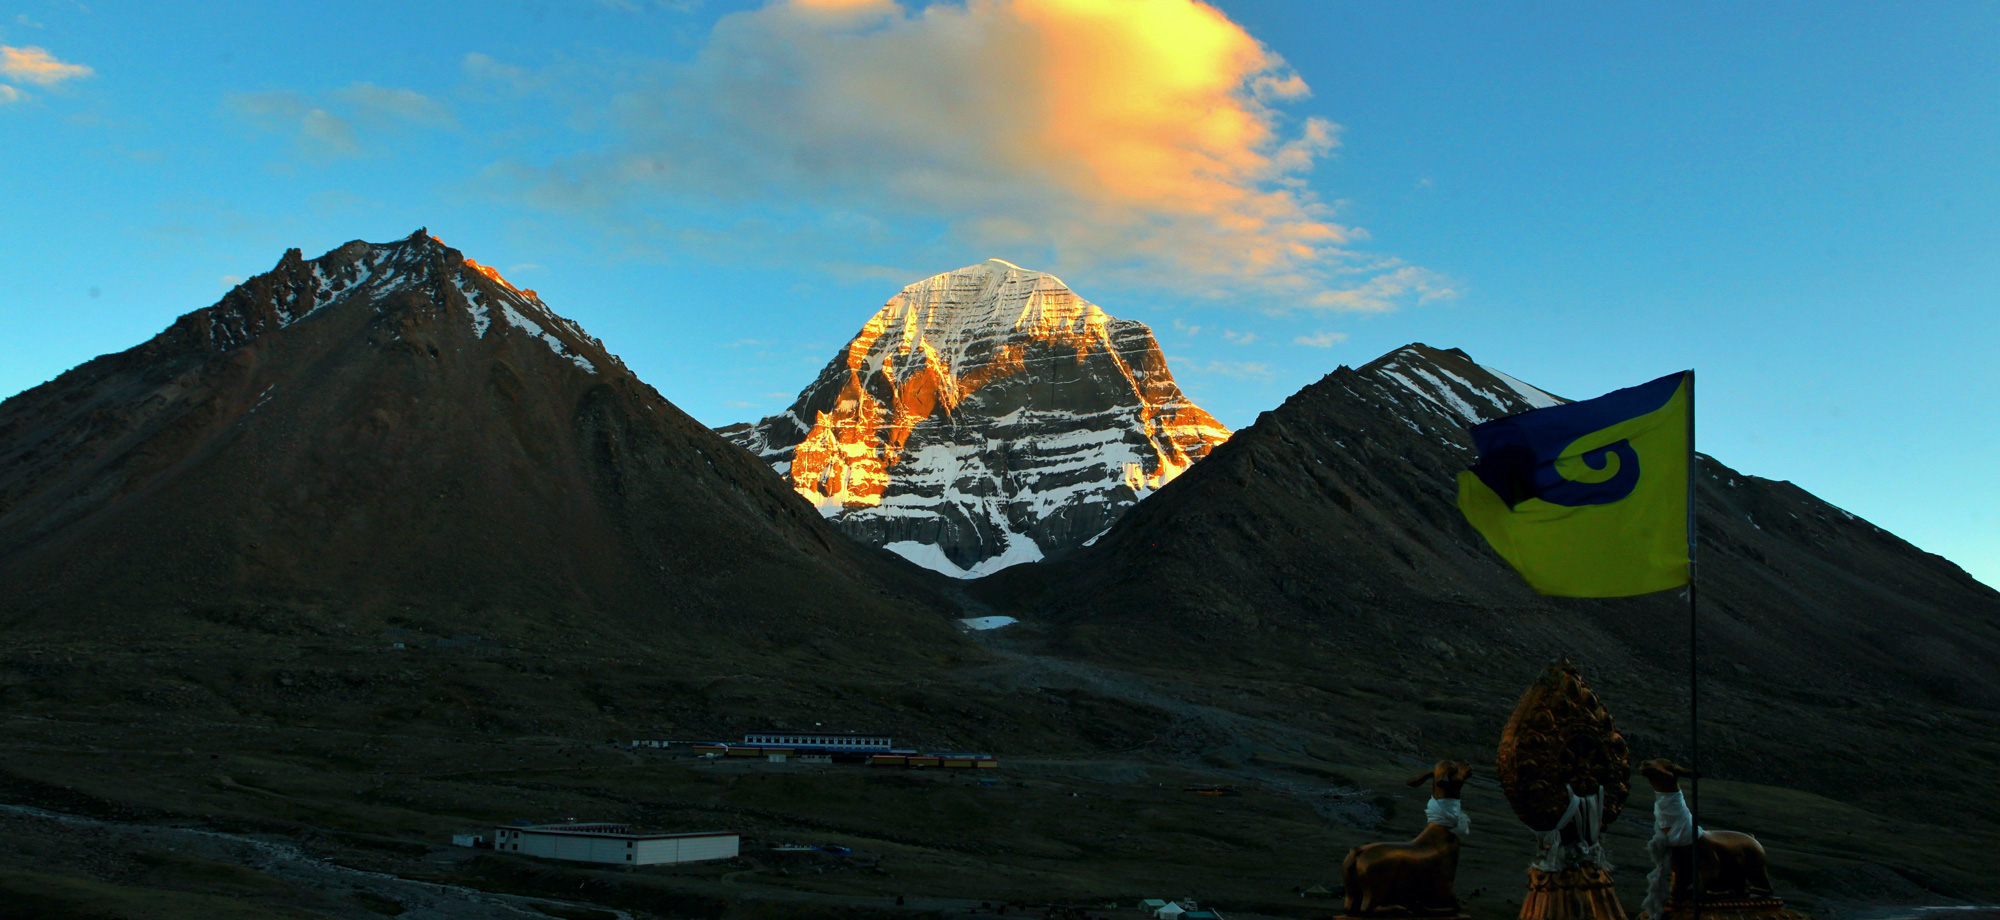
{"points": [[1320, 549], [393, 428]]}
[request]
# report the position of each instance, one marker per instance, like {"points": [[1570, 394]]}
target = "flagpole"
{"points": [[1694, 673]]}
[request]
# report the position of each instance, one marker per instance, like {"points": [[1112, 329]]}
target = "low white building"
{"points": [[829, 741], [613, 843]]}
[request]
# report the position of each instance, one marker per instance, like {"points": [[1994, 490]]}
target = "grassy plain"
{"points": [[1116, 785]]}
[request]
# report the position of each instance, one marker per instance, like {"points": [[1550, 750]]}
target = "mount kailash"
{"points": [[984, 417]]}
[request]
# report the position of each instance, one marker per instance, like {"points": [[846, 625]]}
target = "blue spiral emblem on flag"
{"points": [[1617, 459], [1560, 494]]}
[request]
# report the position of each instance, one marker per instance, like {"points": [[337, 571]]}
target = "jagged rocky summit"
{"points": [[393, 429], [984, 417]]}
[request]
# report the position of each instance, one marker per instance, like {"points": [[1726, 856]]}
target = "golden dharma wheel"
{"points": [[1561, 736]]}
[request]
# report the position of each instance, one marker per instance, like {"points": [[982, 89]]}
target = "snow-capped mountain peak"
{"points": [[297, 289], [985, 416], [1448, 381]]}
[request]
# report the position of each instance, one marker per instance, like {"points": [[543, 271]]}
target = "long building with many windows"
{"points": [[825, 741], [613, 843]]}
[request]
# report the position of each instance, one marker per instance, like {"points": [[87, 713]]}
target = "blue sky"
{"points": [[1801, 201]]}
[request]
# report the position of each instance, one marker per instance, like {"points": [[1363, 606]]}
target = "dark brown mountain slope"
{"points": [[1321, 547], [393, 431]]}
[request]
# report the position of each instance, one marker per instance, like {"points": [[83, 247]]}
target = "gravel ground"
{"points": [[348, 889]]}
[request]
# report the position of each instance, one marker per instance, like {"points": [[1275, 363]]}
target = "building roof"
{"points": [[622, 832], [801, 731]]}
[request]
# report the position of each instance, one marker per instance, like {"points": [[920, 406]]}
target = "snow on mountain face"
{"points": [[298, 288], [1448, 382], [984, 417]]}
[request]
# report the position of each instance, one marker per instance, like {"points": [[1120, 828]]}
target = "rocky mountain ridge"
{"points": [[394, 425]]}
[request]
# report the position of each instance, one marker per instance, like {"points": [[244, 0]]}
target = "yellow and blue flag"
{"points": [[1589, 499]]}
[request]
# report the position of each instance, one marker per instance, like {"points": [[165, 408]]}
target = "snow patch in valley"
{"points": [[928, 555], [978, 624], [1020, 549]]}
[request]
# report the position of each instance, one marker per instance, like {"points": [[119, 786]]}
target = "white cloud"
{"points": [[486, 68], [319, 133], [1140, 138], [1239, 338], [326, 129], [1242, 370], [1384, 292], [9, 94], [1322, 339], [634, 6], [391, 105]]}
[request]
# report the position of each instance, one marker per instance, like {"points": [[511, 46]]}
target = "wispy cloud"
{"points": [[388, 105], [326, 128], [319, 133], [1384, 292], [1238, 338], [1144, 138], [1242, 370], [1322, 339], [33, 65], [634, 6], [487, 69], [37, 66]]}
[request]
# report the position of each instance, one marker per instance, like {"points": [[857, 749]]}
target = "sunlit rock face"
{"points": [[983, 417]]}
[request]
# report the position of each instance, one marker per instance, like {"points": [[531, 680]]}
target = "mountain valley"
{"points": [[380, 547]]}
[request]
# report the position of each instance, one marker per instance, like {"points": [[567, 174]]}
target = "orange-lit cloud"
{"points": [[37, 66], [1141, 137]]}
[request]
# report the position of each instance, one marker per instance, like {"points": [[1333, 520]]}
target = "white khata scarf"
{"points": [[1587, 812], [1673, 826], [1447, 813]]}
